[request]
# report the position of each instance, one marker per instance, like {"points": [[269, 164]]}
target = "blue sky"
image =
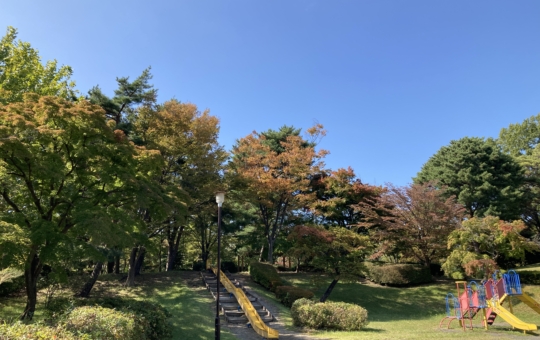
{"points": [[391, 80]]}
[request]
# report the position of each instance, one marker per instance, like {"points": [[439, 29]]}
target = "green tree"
{"points": [[21, 71], [66, 179], [482, 242], [484, 179], [520, 138]]}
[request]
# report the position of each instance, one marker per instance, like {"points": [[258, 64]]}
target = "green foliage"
{"points": [[265, 274], [21, 71], [329, 315], [400, 274], [104, 323], [289, 294], [521, 138], [151, 317], [482, 178], [8, 274], [37, 331], [485, 238]]}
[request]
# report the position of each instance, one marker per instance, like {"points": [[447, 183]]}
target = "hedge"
{"points": [[266, 275], [329, 315], [529, 277], [400, 274], [289, 294]]}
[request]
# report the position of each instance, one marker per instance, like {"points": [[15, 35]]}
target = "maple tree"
{"points": [[277, 168], [193, 159], [66, 179], [337, 193], [414, 221], [338, 251]]}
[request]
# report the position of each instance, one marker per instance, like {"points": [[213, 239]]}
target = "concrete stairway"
{"points": [[228, 304]]}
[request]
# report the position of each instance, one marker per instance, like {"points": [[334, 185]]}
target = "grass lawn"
{"points": [[409, 313], [191, 306]]}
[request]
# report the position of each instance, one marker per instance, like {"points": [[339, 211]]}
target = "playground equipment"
{"points": [[254, 318], [486, 299]]}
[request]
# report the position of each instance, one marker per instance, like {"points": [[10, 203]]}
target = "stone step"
{"points": [[244, 319], [239, 313]]}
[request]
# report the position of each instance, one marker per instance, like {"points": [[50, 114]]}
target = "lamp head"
{"points": [[220, 198]]}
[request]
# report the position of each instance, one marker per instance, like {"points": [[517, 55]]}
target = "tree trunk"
{"points": [[140, 261], [174, 243], [31, 275], [117, 264], [85, 291], [261, 253], [130, 282], [204, 257], [270, 256], [110, 267], [329, 290]]}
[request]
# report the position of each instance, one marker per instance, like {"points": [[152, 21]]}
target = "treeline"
{"points": [[124, 183]]}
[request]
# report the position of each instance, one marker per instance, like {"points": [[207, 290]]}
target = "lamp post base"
{"points": [[217, 331]]}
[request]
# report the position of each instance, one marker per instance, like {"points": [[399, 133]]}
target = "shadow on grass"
{"points": [[382, 303]]}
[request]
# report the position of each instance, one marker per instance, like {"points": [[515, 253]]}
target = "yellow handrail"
{"points": [[254, 318]]}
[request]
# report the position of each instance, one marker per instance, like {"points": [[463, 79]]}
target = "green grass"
{"points": [[191, 306], [409, 313]]}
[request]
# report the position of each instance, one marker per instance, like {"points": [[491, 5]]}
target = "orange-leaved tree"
{"points": [[275, 170]]}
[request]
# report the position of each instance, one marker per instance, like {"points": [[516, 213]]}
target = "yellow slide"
{"points": [[254, 318], [526, 299], [510, 318]]}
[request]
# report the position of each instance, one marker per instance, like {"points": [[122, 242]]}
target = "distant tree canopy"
{"points": [[521, 138], [21, 71], [483, 178]]}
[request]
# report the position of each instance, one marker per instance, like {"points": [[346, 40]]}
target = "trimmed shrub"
{"points": [[399, 274], [288, 294], [328, 315], [230, 266], [37, 331], [266, 275], [529, 277], [104, 323], [150, 316]]}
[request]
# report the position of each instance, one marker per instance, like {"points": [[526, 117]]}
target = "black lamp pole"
{"points": [[220, 197]]}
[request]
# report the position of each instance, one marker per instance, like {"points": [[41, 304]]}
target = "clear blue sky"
{"points": [[392, 81]]}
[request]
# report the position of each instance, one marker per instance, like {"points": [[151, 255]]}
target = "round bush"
{"points": [[104, 323], [36, 331], [328, 315]]}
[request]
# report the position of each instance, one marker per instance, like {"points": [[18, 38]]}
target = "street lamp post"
{"points": [[220, 197]]}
